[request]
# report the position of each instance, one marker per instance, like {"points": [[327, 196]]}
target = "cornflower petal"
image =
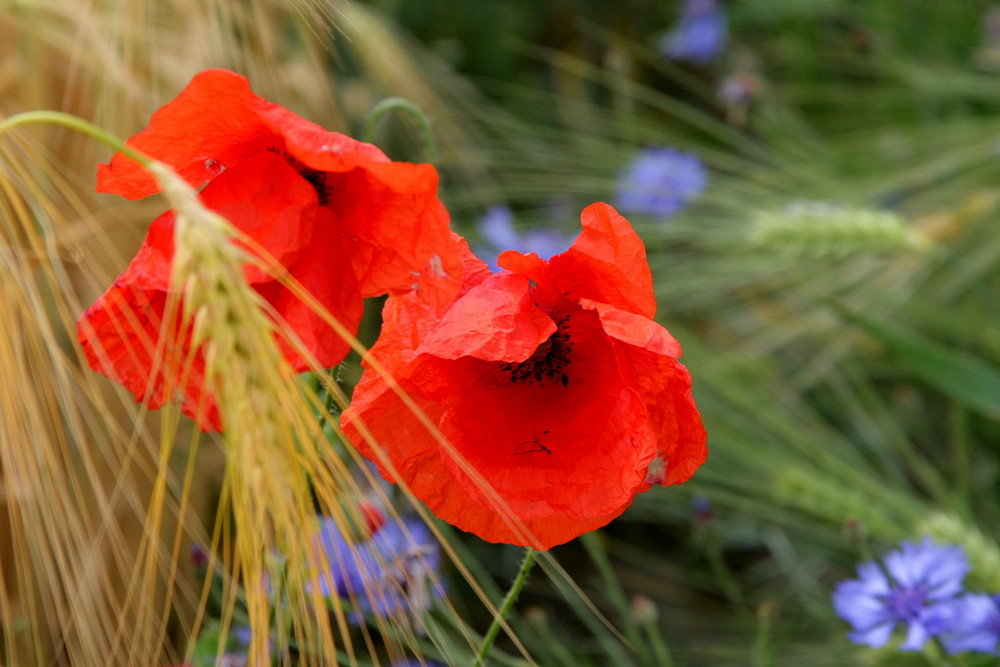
{"points": [[699, 35], [660, 182], [497, 228], [917, 588], [973, 624], [390, 572]]}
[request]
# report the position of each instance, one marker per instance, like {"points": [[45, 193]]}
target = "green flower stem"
{"points": [[660, 648], [329, 401], [506, 605], [936, 653], [76, 124], [391, 103]]}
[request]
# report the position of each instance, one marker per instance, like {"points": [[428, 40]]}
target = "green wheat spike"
{"points": [[837, 501], [810, 229], [983, 551]]}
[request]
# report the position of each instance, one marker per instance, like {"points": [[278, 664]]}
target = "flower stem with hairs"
{"points": [[508, 602], [391, 103]]}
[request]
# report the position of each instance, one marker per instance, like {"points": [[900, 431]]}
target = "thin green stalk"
{"points": [[763, 651], [958, 423], [937, 654], [329, 402], [720, 569], [612, 587], [508, 603], [661, 651], [391, 103], [77, 124]]}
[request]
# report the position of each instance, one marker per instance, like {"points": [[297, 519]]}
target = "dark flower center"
{"points": [[316, 178], [548, 362], [907, 602]]}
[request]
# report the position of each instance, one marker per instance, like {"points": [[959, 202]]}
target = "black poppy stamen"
{"points": [[548, 362], [316, 178]]}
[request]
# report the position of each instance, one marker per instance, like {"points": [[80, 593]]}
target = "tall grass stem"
{"points": [[77, 124]]}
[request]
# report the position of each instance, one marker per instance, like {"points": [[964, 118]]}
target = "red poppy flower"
{"points": [[345, 221], [550, 379]]}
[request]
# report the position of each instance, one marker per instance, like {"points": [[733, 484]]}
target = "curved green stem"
{"points": [[390, 103], [77, 124], [506, 605]]}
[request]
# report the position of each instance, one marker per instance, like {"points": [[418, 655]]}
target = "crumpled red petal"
{"points": [[205, 128], [496, 321], [634, 329], [402, 230], [266, 200], [607, 263], [217, 121], [133, 335]]}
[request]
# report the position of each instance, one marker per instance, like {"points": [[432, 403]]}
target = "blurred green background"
{"points": [[835, 284]]}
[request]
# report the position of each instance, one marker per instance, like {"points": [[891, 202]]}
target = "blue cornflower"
{"points": [[702, 507], [393, 571], [699, 35], [973, 624], [497, 227], [661, 181], [236, 648], [915, 588]]}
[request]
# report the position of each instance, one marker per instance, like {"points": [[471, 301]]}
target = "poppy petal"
{"points": [[332, 284], [271, 203], [402, 229], [199, 133], [133, 336], [529, 265], [579, 467], [420, 462], [682, 435], [474, 270], [314, 146], [496, 321], [666, 387], [634, 329], [607, 263]]}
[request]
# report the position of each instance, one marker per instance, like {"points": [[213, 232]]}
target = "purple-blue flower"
{"points": [[699, 35], [393, 571], [702, 507], [661, 181], [237, 647], [915, 588], [497, 228], [973, 624]]}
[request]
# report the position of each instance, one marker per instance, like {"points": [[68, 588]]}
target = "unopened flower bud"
{"points": [[644, 609]]}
